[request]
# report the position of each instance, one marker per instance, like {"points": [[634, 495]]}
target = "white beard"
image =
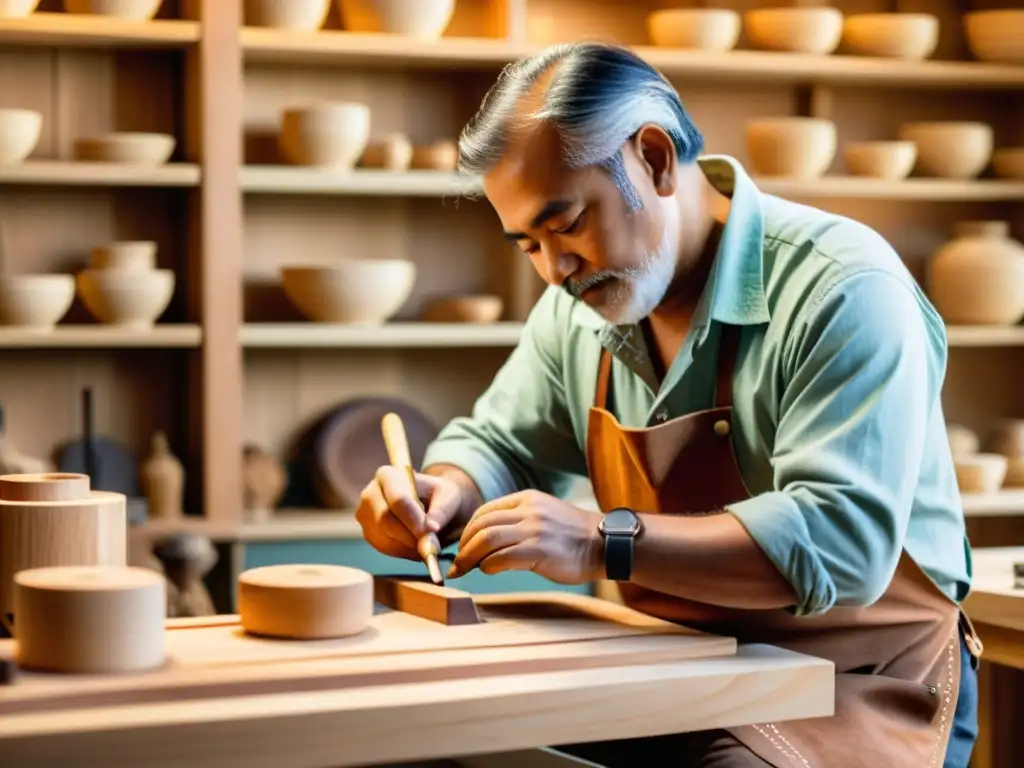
{"points": [[642, 288]]}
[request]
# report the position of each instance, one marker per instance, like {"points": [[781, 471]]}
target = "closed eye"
{"points": [[575, 225]]}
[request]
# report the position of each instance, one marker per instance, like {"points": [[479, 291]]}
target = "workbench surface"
{"points": [[996, 606]]}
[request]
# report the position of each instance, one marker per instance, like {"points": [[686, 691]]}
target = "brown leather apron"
{"points": [[897, 661]]}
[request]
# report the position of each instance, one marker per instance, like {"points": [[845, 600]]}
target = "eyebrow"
{"points": [[552, 208]]}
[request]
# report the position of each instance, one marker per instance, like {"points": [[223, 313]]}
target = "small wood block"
{"points": [[45, 486], [445, 605]]}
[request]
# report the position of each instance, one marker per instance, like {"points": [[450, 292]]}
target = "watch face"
{"points": [[620, 521]]}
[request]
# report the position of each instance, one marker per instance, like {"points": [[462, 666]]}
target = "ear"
{"points": [[657, 154]]}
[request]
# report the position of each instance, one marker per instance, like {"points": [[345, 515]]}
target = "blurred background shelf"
{"points": [[74, 174], [291, 180], [182, 336], [65, 29], [408, 335]]}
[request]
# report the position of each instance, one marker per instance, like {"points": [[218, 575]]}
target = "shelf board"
{"points": [[348, 48], [102, 337], [1006, 503], [75, 174], [80, 30], [932, 190], [984, 336], [388, 335], [322, 181]]}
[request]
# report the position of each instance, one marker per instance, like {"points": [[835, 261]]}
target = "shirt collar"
{"points": [[734, 292]]}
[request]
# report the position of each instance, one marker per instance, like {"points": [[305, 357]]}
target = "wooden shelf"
{"points": [[102, 337], [394, 335], [67, 29], [984, 336], [316, 181], [291, 180], [347, 48], [1006, 503], [74, 174]]}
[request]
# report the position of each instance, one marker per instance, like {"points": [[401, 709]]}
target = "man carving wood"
{"points": [[753, 389]]}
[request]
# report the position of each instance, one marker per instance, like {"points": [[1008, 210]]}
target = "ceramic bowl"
{"points": [[351, 290], [1008, 162], [19, 134], [795, 147], [951, 150], [980, 472], [892, 160], [911, 36], [299, 15], [132, 10], [483, 308], [124, 297], [704, 29], [798, 30], [391, 153], [333, 134], [963, 441], [17, 9], [35, 302], [130, 148], [996, 36], [125, 256], [424, 19]]}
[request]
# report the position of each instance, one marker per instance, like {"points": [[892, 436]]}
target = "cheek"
{"points": [[625, 239]]}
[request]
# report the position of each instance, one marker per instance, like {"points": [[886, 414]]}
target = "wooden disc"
{"points": [[89, 620], [305, 602], [46, 486]]}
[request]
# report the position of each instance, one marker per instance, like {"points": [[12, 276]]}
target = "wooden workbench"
{"points": [[226, 699]]}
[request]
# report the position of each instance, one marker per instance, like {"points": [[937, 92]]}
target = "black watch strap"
{"points": [[618, 556]]}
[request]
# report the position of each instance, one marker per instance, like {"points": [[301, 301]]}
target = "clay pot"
{"points": [[20, 130], [424, 19], [962, 440], [1008, 441], [265, 480], [978, 277], [794, 147], [704, 29], [950, 149], [980, 472], [162, 480]]}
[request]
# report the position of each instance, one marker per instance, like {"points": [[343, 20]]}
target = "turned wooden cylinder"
{"points": [[91, 620], [54, 519]]}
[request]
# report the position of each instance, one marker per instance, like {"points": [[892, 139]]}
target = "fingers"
{"points": [[503, 529], [399, 499], [518, 557], [381, 528]]}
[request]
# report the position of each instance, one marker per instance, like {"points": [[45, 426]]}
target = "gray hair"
{"points": [[599, 96]]}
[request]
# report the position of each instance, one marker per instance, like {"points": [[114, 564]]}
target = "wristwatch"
{"points": [[620, 527]]}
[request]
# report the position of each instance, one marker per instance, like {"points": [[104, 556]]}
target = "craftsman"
{"points": [[752, 387]]}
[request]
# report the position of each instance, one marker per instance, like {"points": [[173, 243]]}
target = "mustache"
{"points": [[581, 285]]}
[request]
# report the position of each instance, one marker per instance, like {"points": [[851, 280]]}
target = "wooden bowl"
{"points": [[483, 308], [391, 153], [351, 290], [911, 36], [303, 15], [980, 472], [439, 156], [126, 298], [19, 134], [996, 36], [704, 29], [951, 149], [125, 256], [130, 148], [800, 30], [330, 135], [1008, 438], [795, 147], [1008, 162], [17, 9], [133, 10], [36, 302], [891, 160], [962, 440], [424, 19]]}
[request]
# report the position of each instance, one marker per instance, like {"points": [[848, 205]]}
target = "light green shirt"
{"points": [[838, 426]]}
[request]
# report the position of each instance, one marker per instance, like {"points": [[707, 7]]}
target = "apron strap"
{"points": [[604, 378]]}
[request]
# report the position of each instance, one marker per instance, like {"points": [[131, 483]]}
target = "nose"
{"points": [[555, 265]]}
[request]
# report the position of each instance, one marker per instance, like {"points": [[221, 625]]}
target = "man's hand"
{"points": [[532, 531]]}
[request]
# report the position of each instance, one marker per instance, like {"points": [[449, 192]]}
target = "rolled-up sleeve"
{"points": [[863, 373], [519, 435]]}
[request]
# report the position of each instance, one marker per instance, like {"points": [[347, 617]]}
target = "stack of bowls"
{"points": [[123, 287]]}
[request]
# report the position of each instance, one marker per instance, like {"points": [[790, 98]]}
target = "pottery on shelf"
{"points": [[950, 149], [703, 29], [20, 130], [17, 9], [963, 441], [35, 302], [978, 277], [162, 480], [797, 30], [908, 36], [331, 135], [424, 19], [390, 153], [264, 480], [980, 472], [478, 308], [350, 290], [298, 15], [1008, 440], [891, 160], [128, 298], [132, 10], [128, 147], [439, 156], [996, 36], [125, 256], [1008, 162], [794, 147]]}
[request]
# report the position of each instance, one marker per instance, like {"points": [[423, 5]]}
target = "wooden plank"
{"points": [[103, 337], [444, 605], [67, 29], [78, 174], [396, 335], [425, 720]]}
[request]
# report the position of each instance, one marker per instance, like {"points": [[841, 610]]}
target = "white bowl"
{"points": [[130, 148], [303, 15], [799, 30], [793, 147], [910, 36], [17, 9], [36, 302], [130, 10], [331, 135], [350, 291], [19, 134], [125, 256], [424, 19], [127, 298], [705, 29], [950, 149]]}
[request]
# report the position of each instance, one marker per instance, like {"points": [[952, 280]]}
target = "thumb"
{"points": [[445, 500]]}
